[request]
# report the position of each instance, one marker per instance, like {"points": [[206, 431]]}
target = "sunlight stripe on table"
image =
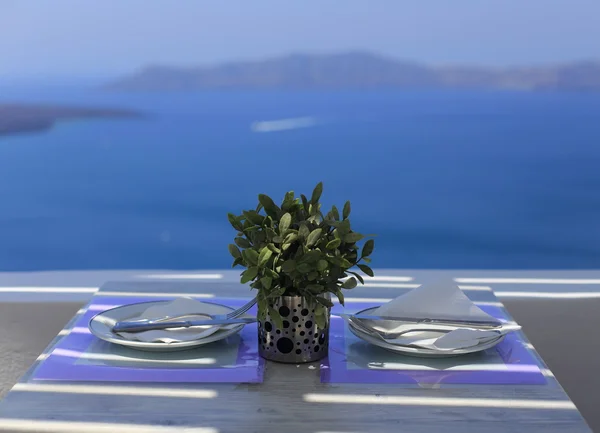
{"points": [[44, 426], [489, 303], [138, 391], [389, 285], [390, 278], [35, 289], [100, 307], [549, 295], [155, 294], [113, 357], [438, 401], [75, 330], [414, 286], [528, 280], [368, 300], [183, 276]]}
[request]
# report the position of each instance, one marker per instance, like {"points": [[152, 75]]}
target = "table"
{"points": [[291, 398]]}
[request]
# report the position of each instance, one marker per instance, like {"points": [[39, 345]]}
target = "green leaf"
{"points": [[288, 266], [263, 306], [276, 318], [304, 202], [343, 227], [290, 238], [332, 245], [271, 273], [273, 248], [289, 196], [353, 237], [254, 217], [264, 256], [366, 259], [234, 251], [242, 242], [340, 261], [284, 223], [351, 257], [313, 237], [249, 274], [350, 283], [304, 268], [335, 212], [367, 270], [324, 301], [270, 233], [277, 292], [322, 265], [312, 276], [278, 239], [347, 209], [266, 282], [266, 201], [270, 207], [251, 256], [316, 195], [368, 248], [259, 237], [339, 295], [259, 207], [320, 317], [268, 221], [360, 278], [288, 201], [234, 221], [310, 256], [303, 231], [238, 261], [315, 288]]}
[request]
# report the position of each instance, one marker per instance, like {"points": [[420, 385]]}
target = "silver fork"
{"points": [[125, 324]]}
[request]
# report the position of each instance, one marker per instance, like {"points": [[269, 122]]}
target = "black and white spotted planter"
{"points": [[300, 340]]}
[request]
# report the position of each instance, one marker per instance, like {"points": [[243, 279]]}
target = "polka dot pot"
{"points": [[300, 339]]}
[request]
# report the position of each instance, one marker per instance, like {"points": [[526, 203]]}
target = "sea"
{"points": [[454, 179]]}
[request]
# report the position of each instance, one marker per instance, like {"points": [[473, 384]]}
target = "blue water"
{"points": [[446, 180]]}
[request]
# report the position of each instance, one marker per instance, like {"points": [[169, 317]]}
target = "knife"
{"points": [[457, 322], [150, 326]]}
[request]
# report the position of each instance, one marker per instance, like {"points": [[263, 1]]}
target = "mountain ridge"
{"points": [[358, 70]]}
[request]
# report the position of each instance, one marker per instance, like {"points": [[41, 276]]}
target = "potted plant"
{"points": [[296, 258]]}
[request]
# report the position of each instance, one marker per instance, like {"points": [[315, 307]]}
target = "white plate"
{"points": [[417, 351], [101, 326]]}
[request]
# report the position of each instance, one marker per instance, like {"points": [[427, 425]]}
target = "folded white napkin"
{"points": [[461, 338], [180, 306], [436, 300]]}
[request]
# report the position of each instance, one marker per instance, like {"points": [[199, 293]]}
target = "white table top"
{"points": [[291, 398]]}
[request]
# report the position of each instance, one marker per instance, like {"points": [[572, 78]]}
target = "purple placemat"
{"points": [[80, 356], [352, 360]]}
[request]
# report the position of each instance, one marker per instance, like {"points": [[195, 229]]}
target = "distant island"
{"points": [[18, 118], [358, 71]]}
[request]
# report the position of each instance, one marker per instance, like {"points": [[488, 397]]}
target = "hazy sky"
{"points": [[99, 37]]}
